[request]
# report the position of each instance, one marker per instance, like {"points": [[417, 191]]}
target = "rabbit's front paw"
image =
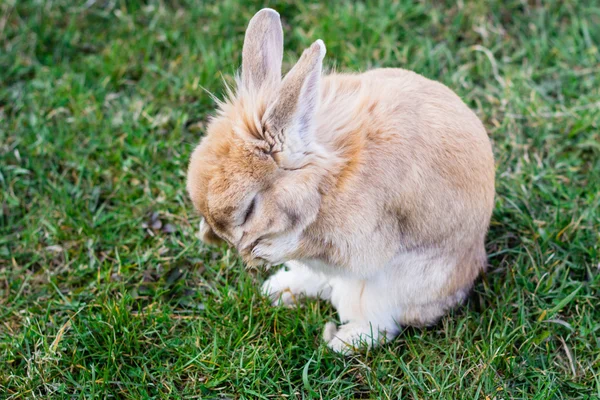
{"points": [[286, 286], [278, 291], [350, 337]]}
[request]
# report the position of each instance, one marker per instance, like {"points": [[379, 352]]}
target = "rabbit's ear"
{"points": [[263, 51], [289, 120]]}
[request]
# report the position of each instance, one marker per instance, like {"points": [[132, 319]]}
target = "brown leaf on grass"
{"points": [[168, 228], [174, 275], [156, 224]]}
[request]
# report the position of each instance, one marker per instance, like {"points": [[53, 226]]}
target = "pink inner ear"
{"points": [[262, 53], [291, 116]]}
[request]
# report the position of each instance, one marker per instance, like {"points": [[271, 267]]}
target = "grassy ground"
{"points": [[106, 292]]}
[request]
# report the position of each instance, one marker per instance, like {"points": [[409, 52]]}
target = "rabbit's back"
{"points": [[418, 168]]}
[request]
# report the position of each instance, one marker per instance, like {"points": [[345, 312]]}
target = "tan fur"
{"points": [[388, 164]]}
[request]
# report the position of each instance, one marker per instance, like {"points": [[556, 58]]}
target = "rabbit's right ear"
{"points": [[263, 51]]}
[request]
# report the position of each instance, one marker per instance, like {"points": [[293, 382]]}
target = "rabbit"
{"points": [[374, 190]]}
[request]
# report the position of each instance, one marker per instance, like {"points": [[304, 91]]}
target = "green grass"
{"points": [[105, 291]]}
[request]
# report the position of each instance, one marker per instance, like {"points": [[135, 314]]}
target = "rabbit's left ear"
{"points": [[263, 51], [289, 119]]}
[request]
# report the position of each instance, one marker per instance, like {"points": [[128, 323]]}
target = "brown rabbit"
{"points": [[375, 190]]}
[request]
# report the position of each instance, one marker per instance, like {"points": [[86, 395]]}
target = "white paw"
{"points": [[350, 337], [279, 291], [287, 287]]}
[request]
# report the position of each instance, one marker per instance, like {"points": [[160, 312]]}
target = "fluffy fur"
{"points": [[374, 189]]}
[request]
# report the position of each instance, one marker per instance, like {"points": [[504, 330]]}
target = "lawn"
{"points": [[105, 290]]}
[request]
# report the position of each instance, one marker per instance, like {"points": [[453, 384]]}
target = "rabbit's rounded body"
{"points": [[416, 172], [402, 224], [375, 189]]}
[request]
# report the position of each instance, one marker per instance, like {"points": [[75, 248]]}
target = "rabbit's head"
{"points": [[257, 175]]}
